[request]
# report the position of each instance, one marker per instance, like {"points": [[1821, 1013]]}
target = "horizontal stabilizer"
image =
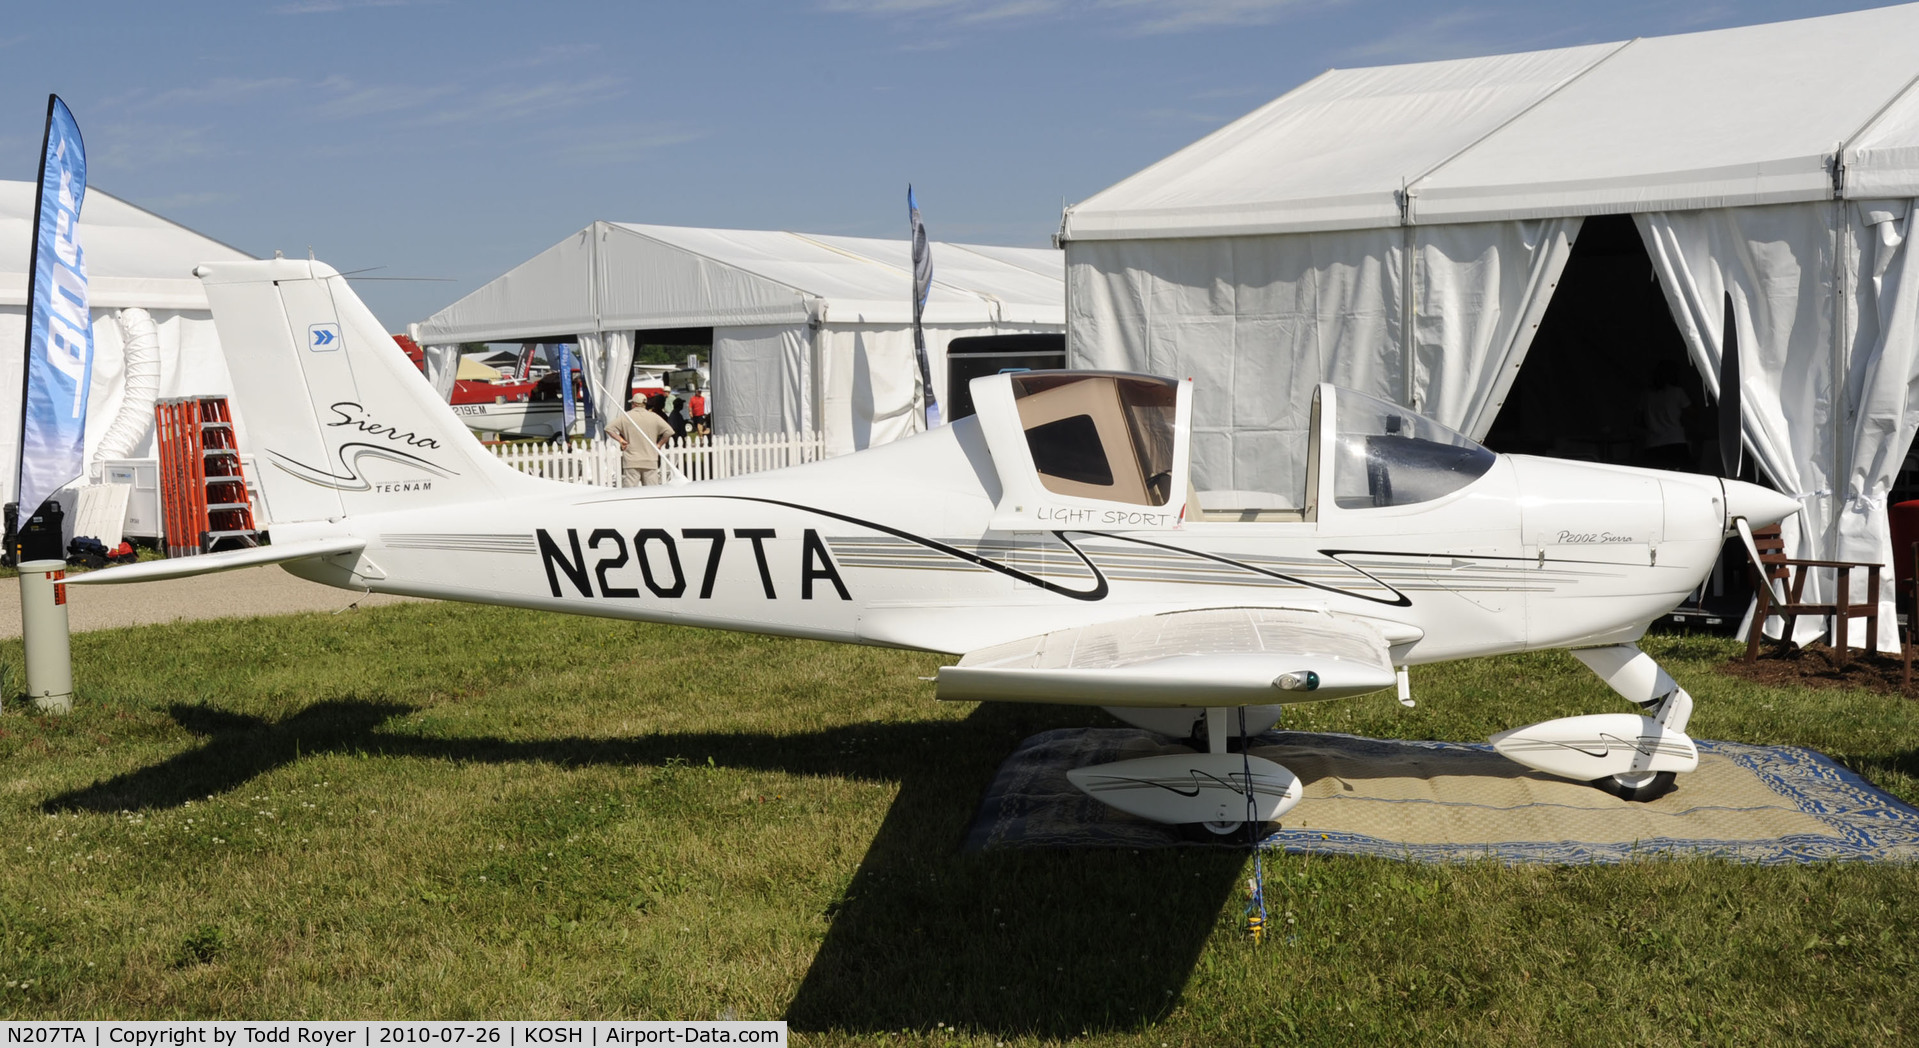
{"points": [[1211, 657], [181, 567], [1599, 746], [1191, 787]]}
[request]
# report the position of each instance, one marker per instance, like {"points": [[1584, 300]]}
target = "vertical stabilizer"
{"points": [[338, 420]]}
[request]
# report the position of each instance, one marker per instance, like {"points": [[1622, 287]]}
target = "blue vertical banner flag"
{"points": [[59, 356], [564, 365], [922, 286]]}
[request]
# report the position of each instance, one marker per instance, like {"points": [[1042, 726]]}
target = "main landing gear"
{"points": [[1632, 756], [1216, 795]]}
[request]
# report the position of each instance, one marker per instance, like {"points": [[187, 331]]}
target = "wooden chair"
{"points": [[1903, 520], [1792, 573], [1905, 599]]}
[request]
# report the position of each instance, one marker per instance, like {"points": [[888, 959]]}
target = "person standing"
{"points": [[641, 434], [1662, 421]]}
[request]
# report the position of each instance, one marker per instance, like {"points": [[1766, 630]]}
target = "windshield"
{"points": [[1388, 456]]}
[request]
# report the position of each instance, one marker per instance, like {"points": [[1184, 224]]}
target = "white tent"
{"points": [[140, 281], [810, 333], [1401, 230]]}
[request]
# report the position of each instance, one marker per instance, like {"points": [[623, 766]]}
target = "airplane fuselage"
{"points": [[894, 547]]}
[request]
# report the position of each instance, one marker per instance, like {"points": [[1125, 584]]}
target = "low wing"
{"points": [[1211, 657], [181, 567]]}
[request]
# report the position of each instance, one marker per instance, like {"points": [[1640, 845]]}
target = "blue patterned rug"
{"points": [[1450, 802]]}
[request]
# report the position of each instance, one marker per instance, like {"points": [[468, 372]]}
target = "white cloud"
{"points": [[181, 201], [352, 100], [552, 54], [621, 143], [1184, 117], [1009, 11], [515, 102], [1151, 17], [1461, 33], [219, 91], [144, 144], [1133, 17], [887, 8]]}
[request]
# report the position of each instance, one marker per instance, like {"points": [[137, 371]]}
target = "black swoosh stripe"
{"points": [[1098, 592], [1400, 600]]}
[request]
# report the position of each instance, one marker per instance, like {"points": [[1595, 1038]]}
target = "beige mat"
{"points": [[1452, 801]]}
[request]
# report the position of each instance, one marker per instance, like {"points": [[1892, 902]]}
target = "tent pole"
{"points": [[1840, 483], [1409, 313]]}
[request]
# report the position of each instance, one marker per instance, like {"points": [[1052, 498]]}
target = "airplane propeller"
{"points": [[1731, 444], [1731, 432]]}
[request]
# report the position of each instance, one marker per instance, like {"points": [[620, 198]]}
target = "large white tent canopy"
{"points": [[810, 332], [1734, 117], [1402, 229], [140, 284]]}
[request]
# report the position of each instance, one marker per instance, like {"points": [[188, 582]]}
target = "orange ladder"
{"points": [[202, 487]]}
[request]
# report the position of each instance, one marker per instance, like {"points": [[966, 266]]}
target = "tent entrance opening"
{"points": [[1608, 379], [1599, 382]]}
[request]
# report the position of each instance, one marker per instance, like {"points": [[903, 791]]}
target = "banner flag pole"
{"points": [[59, 354], [922, 286], [562, 360], [58, 370]]}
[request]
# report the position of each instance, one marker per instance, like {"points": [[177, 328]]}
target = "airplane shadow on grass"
{"points": [[1038, 943]]}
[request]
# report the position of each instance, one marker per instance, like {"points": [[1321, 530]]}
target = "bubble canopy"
{"points": [[1385, 455]]}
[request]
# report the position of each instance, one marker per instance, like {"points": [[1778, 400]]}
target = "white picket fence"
{"points": [[729, 455], [577, 461], [684, 459]]}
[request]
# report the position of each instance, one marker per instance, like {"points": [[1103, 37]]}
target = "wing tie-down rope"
{"points": [[1256, 906]]}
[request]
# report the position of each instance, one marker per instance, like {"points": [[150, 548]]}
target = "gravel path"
{"points": [[246, 592]]}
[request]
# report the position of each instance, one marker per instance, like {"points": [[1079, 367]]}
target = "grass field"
{"points": [[433, 811]]}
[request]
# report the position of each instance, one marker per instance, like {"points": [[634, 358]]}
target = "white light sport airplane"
{"points": [[1052, 541]]}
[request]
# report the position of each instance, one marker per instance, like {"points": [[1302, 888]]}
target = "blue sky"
{"points": [[454, 139]]}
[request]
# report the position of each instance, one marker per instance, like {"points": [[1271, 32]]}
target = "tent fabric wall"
{"points": [[191, 364], [774, 300], [134, 258], [606, 360], [1885, 355], [442, 367], [1778, 162], [1481, 290], [870, 386], [1257, 321], [1777, 262], [769, 369], [1827, 302]]}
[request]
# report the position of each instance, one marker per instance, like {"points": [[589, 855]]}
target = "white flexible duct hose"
{"points": [[140, 341]]}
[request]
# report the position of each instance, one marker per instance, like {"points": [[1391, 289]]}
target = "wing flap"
{"points": [[1210, 657]]}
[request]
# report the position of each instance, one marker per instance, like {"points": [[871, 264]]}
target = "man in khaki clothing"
{"points": [[640, 433]]}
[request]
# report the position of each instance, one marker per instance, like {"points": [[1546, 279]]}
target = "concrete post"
{"points": [[43, 628]]}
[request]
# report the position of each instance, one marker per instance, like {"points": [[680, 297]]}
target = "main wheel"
{"points": [[1645, 786], [1231, 833]]}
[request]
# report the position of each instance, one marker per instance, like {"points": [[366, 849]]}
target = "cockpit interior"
{"points": [[1114, 438]]}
